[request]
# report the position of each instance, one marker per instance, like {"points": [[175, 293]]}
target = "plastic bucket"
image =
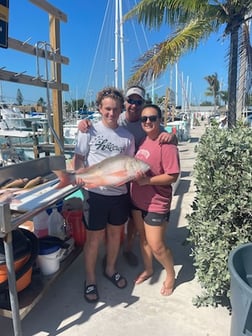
{"points": [[240, 267], [48, 259], [73, 218], [49, 263]]}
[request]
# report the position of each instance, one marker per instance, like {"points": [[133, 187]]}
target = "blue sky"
{"points": [[79, 42]]}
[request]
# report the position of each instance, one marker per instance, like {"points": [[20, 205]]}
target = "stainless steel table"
{"points": [[12, 215]]}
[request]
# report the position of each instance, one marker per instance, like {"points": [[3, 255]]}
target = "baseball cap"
{"points": [[135, 90]]}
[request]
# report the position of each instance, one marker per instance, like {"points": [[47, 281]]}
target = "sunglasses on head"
{"points": [[152, 118], [135, 102], [112, 93]]}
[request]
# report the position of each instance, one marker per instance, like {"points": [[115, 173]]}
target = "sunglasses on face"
{"points": [[152, 118], [135, 102]]}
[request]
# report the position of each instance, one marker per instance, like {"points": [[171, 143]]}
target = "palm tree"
{"points": [[224, 96], [41, 102], [194, 21], [214, 88]]}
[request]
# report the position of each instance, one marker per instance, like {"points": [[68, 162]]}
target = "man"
{"points": [[106, 208], [130, 119]]}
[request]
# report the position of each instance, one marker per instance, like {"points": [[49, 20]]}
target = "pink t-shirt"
{"points": [[162, 159]]}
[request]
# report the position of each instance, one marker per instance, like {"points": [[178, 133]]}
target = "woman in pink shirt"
{"points": [[151, 197]]}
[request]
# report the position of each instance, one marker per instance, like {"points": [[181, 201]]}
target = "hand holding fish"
{"points": [[77, 180], [143, 180], [140, 175]]}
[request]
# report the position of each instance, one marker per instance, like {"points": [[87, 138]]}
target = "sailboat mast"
{"points": [[176, 84], [116, 42], [121, 43], [119, 36]]}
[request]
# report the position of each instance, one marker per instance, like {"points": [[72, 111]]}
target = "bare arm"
{"points": [[163, 179], [168, 138], [84, 125]]}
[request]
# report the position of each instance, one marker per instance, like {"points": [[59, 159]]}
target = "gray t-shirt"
{"points": [[134, 128]]}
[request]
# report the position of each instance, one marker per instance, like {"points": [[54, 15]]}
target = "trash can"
{"points": [[240, 268]]}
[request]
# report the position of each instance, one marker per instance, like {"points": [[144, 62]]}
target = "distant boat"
{"points": [[70, 130], [12, 118]]}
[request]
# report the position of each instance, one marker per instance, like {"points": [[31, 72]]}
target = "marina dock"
{"points": [[137, 309]]}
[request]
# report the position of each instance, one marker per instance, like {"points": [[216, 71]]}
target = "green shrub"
{"points": [[221, 216]]}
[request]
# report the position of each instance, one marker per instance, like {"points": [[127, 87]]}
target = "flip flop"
{"points": [[115, 279], [91, 289]]}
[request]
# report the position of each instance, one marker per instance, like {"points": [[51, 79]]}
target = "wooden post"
{"points": [[54, 26]]}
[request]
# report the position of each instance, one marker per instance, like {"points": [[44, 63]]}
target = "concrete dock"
{"points": [[137, 309]]}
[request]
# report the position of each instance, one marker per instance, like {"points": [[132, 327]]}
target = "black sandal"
{"points": [[115, 279], [91, 289]]}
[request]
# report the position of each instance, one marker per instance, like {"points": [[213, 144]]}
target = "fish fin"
{"points": [[119, 173], [122, 174], [124, 182]]}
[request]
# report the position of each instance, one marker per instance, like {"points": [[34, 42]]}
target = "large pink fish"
{"points": [[113, 171]]}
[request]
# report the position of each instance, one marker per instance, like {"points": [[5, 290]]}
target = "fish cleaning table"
{"points": [[22, 208]]}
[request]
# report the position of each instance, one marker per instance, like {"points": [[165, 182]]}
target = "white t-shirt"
{"points": [[101, 142]]}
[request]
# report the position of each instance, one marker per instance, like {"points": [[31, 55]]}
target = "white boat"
{"points": [[12, 118]]}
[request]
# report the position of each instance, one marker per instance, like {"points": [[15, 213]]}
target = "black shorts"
{"points": [[153, 218], [100, 210]]}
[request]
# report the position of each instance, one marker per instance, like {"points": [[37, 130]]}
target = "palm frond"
{"points": [[154, 62], [155, 13]]}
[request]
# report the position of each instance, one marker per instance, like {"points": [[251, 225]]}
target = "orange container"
{"points": [[73, 218], [22, 282]]}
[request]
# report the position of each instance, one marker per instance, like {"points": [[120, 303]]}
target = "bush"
{"points": [[221, 217]]}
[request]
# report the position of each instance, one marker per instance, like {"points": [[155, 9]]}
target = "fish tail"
{"points": [[65, 179]]}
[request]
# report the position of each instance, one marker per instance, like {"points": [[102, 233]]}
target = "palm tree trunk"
{"points": [[232, 77]]}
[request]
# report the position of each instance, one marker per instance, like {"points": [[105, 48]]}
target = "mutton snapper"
{"points": [[113, 171]]}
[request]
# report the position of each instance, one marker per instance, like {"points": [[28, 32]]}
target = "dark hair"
{"points": [[110, 92], [155, 107]]}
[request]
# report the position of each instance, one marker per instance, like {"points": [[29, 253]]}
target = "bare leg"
{"points": [[131, 233], [145, 248], [113, 246], [155, 238], [91, 249]]}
